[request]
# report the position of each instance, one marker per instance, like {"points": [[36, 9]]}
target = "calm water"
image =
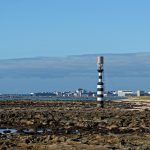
{"points": [[58, 98], [7, 130]]}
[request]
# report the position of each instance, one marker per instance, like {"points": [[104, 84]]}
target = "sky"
{"points": [[44, 44], [32, 28]]}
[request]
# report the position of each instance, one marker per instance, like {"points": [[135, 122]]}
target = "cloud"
{"points": [[116, 65]]}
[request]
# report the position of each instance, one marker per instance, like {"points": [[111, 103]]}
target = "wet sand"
{"points": [[75, 125]]}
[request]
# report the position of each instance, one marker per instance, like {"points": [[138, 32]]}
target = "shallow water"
{"points": [[58, 98], [7, 131], [31, 131]]}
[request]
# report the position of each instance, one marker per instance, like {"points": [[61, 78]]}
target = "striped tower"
{"points": [[100, 84]]}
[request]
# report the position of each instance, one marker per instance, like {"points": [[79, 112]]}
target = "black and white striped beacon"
{"points": [[100, 84]]}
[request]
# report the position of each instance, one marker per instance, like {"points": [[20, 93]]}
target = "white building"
{"points": [[80, 92], [140, 93], [125, 93]]}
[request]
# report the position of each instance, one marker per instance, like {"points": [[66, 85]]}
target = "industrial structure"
{"points": [[100, 84]]}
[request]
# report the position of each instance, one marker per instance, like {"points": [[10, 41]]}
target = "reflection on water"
{"points": [[37, 131], [7, 130]]}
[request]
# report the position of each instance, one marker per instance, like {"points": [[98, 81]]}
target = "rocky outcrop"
{"points": [[41, 123]]}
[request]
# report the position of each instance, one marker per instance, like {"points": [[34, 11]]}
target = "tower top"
{"points": [[100, 60]]}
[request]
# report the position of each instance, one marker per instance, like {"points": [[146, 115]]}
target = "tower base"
{"points": [[100, 104]]}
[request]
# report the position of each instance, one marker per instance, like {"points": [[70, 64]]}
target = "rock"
{"points": [[4, 146], [84, 141], [74, 123], [115, 130]]}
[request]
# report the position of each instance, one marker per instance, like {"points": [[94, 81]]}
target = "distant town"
{"points": [[81, 93]]}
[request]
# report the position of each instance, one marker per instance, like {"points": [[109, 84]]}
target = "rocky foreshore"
{"points": [[74, 125]]}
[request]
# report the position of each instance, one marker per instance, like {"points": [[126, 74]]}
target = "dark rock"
{"points": [[27, 141], [115, 130]]}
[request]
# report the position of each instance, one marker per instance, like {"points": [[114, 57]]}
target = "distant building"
{"points": [[67, 94], [140, 93], [92, 94], [110, 93], [45, 94], [80, 92], [58, 93], [32, 94], [125, 93], [85, 94]]}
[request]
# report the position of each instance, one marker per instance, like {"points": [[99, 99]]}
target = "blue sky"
{"points": [[57, 29], [30, 28]]}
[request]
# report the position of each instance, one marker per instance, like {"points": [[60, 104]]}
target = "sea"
{"points": [[60, 98]]}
